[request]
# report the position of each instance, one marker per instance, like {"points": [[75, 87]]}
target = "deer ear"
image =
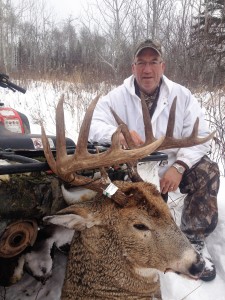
{"points": [[73, 218]]}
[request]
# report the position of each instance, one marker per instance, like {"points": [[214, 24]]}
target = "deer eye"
{"points": [[141, 227]]}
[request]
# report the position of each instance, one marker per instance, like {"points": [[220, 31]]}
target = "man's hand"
{"points": [[170, 180], [135, 137]]}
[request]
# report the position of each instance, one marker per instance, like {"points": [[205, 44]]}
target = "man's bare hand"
{"points": [[135, 137], [170, 180]]}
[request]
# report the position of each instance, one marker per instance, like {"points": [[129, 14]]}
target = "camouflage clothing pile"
{"points": [[200, 212]]}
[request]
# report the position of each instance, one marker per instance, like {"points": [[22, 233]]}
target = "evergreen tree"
{"points": [[207, 46]]}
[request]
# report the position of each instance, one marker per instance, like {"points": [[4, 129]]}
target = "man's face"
{"points": [[148, 69]]}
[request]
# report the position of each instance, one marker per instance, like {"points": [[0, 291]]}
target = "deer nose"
{"points": [[197, 268]]}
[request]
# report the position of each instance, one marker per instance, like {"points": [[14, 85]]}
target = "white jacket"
{"points": [[128, 107]]}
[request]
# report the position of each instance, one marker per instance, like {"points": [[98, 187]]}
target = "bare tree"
{"points": [[177, 40], [8, 24], [112, 23], [214, 103]]}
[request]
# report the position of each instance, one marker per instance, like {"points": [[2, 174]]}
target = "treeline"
{"points": [[99, 45]]}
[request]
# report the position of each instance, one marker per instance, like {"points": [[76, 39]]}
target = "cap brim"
{"points": [[145, 47]]}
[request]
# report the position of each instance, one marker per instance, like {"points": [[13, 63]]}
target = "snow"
{"points": [[39, 103], [174, 287]]}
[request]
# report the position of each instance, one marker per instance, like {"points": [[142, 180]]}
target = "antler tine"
{"points": [[85, 128], [132, 166], [195, 128], [47, 151], [124, 130], [61, 153], [60, 131], [115, 139], [132, 155], [149, 137], [171, 120]]}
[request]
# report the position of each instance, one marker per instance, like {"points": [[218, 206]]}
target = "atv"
{"points": [[28, 189]]}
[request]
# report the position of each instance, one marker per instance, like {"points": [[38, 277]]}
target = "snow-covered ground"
{"points": [[174, 287]]}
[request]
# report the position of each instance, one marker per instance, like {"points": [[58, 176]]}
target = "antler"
{"points": [[169, 141], [66, 166]]}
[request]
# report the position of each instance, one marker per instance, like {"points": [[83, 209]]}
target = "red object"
{"points": [[11, 120]]}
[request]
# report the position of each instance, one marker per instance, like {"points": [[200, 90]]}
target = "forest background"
{"points": [[93, 52]]}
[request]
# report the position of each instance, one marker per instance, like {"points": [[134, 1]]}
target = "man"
{"points": [[188, 168]]}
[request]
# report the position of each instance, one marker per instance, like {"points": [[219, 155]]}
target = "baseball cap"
{"points": [[148, 44]]}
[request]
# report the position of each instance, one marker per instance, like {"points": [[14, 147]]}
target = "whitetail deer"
{"points": [[120, 241]]}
